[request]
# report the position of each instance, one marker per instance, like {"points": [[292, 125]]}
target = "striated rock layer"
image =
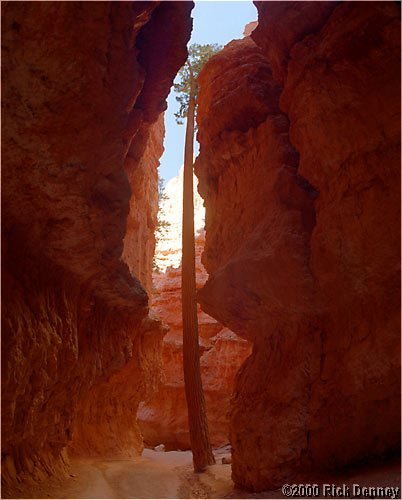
{"points": [[81, 140], [299, 170], [163, 417]]}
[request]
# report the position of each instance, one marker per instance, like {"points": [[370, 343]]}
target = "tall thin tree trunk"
{"points": [[197, 419]]}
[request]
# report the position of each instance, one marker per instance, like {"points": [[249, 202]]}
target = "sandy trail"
{"points": [[154, 475], [170, 475]]}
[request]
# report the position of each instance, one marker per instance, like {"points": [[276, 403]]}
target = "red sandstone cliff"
{"points": [[82, 95], [163, 418], [139, 241], [299, 169]]}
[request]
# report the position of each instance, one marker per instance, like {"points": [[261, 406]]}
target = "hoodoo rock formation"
{"points": [[299, 131], [84, 86], [168, 245], [163, 418]]}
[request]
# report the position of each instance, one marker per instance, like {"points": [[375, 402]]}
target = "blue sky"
{"points": [[213, 22]]}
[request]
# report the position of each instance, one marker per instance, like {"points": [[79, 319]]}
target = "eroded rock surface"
{"points": [[139, 241], [299, 170], [168, 245], [84, 85], [163, 417]]}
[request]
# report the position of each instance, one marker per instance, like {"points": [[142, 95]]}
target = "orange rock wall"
{"points": [[139, 241], [82, 96], [299, 169], [163, 417]]}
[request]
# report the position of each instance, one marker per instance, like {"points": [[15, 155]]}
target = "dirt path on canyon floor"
{"points": [[153, 475], [170, 475]]}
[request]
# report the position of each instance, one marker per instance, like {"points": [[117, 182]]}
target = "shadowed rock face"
{"points": [[84, 86], [299, 170]]}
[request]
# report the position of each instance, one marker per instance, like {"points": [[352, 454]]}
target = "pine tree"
{"points": [[197, 418]]}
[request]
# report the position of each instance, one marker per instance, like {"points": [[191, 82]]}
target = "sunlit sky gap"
{"points": [[213, 22]]}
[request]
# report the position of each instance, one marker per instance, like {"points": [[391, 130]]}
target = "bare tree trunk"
{"points": [[197, 419]]}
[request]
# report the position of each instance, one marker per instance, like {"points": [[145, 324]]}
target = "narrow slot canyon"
{"points": [[297, 219]]}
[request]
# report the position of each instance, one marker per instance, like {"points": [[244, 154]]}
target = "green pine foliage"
{"points": [[198, 55]]}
